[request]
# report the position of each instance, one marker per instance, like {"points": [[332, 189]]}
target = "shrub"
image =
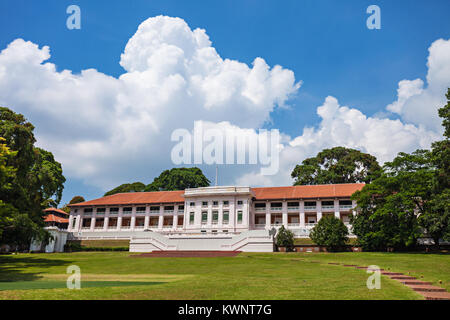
{"points": [[285, 238], [330, 232], [76, 246]]}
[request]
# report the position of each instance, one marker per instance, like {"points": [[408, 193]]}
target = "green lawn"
{"points": [[118, 275]]}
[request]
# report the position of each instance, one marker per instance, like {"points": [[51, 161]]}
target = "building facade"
{"points": [[216, 211]]}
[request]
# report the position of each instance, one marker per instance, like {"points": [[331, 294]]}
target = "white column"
{"points": [[133, 218], [161, 217], [354, 206], [78, 223], [267, 215], [175, 216], [147, 217], [106, 221], [337, 212], [284, 214], [69, 228], [119, 219], [92, 224], [302, 213], [319, 210]]}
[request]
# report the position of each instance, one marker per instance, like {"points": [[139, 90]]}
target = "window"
{"points": [[86, 223], [310, 203], [240, 202], [293, 204], [215, 203], [140, 222], [328, 203], [215, 216], [101, 210], [204, 203], [192, 204], [75, 211], [113, 210], [239, 216], [204, 217], [88, 210], [181, 207], [154, 209], [276, 205], [225, 203], [345, 202], [226, 217], [191, 218], [127, 210], [140, 210], [169, 208]]}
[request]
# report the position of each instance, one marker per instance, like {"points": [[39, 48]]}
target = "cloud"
{"points": [[107, 130], [418, 104]]}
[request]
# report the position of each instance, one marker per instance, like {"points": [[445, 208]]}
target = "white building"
{"points": [[211, 218]]}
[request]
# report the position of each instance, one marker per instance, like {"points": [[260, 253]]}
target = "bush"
{"points": [[285, 238], [331, 233], [76, 246]]}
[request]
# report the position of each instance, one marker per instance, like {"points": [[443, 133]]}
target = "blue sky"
{"points": [[325, 43]]}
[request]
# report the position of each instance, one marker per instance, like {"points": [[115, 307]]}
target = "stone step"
{"points": [[414, 282], [388, 273], [426, 288], [402, 277], [436, 295]]}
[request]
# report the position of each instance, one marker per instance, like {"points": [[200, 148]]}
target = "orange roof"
{"points": [[305, 192], [53, 218], [56, 210], [135, 198], [267, 193]]}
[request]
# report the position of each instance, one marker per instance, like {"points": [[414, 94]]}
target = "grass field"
{"points": [[118, 275]]}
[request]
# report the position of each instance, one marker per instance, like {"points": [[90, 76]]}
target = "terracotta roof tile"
{"points": [[305, 192], [135, 198], [56, 210], [266, 193], [53, 218]]}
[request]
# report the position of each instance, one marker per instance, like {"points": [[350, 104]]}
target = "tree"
{"points": [[38, 181], [285, 238], [127, 187], [178, 179], [330, 232], [388, 207], [436, 217], [77, 199], [337, 165]]}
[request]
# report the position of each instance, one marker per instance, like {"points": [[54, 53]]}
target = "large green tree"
{"points": [[173, 179], [178, 179], [389, 206], [436, 218], [337, 165], [127, 187], [38, 181], [410, 199]]}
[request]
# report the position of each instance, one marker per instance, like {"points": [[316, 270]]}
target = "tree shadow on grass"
{"points": [[13, 268]]}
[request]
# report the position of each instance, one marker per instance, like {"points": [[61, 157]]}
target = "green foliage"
{"points": [[337, 165], [285, 238], [77, 199], [330, 232], [178, 179], [173, 179], [388, 207], [31, 180], [75, 246], [127, 187]]}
